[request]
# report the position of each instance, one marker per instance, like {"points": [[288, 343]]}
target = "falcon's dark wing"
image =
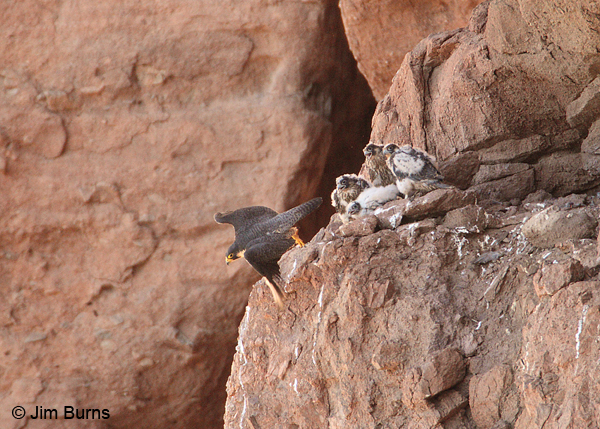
{"points": [[284, 221], [414, 164], [263, 254], [428, 170], [244, 217]]}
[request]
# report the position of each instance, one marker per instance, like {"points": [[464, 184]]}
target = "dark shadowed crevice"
{"points": [[345, 156], [352, 109]]}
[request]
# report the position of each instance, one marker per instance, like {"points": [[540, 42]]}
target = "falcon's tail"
{"points": [[431, 185], [286, 220], [276, 291]]}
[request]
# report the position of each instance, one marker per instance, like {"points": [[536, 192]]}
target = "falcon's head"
{"points": [[372, 149], [353, 208], [343, 182], [390, 149], [350, 181], [233, 253]]}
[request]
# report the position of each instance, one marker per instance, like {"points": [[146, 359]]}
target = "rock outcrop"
{"points": [[437, 323], [380, 33], [476, 307], [124, 126], [506, 103]]}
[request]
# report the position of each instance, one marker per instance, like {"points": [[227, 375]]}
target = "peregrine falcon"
{"points": [[348, 187], [370, 199], [375, 166], [414, 170], [262, 236]]}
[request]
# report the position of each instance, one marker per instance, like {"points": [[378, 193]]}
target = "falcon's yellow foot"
{"points": [[297, 239]]}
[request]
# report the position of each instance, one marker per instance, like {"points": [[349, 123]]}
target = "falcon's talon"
{"points": [[298, 241]]}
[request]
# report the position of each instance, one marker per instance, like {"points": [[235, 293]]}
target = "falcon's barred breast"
{"points": [[375, 166], [262, 236]]}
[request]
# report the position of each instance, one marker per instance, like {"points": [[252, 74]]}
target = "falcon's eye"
{"points": [[230, 256]]}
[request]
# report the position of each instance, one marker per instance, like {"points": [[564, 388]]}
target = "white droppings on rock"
{"points": [[394, 220], [243, 361], [459, 241], [580, 329], [319, 319]]}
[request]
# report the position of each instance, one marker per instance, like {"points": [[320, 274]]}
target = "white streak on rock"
{"points": [[579, 329], [319, 318], [243, 361]]}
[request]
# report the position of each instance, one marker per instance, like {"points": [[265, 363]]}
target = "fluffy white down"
{"points": [[406, 186], [372, 198]]}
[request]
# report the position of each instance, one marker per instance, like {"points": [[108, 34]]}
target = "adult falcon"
{"points": [[414, 170], [375, 166], [262, 236]]}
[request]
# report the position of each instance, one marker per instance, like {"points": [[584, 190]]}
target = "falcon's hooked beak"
{"points": [[232, 257]]}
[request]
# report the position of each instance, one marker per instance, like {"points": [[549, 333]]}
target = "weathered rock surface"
{"points": [[515, 87], [492, 397], [124, 126], [551, 227], [436, 202], [557, 377], [445, 370], [465, 308], [419, 327], [380, 33]]}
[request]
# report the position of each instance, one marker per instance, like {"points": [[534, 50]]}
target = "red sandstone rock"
{"points": [[381, 33], [124, 126], [368, 313], [591, 144], [359, 227], [552, 226], [559, 368], [584, 110], [432, 204], [409, 309], [553, 277], [486, 394], [471, 91], [446, 369]]}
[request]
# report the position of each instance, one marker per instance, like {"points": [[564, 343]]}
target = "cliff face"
{"points": [[380, 33], [460, 309], [506, 104], [124, 126], [457, 321]]}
